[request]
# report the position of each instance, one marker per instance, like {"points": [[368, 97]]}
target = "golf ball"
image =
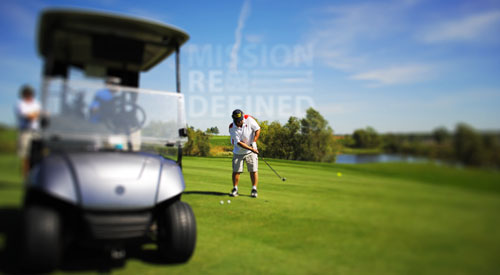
{"points": [[221, 202], [228, 201]]}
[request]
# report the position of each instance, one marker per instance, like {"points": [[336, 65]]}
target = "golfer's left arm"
{"points": [[257, 134], [256, 128]]}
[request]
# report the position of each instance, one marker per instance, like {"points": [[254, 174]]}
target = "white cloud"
{"points": [[395, 74], [469, 28], [341, 32], [254, 38], [245, 11], [376, 41]]}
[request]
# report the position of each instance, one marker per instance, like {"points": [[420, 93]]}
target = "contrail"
{"points": [[245, 11]]}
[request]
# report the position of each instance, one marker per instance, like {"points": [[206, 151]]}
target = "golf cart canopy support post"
{"points": [[182, 132]]}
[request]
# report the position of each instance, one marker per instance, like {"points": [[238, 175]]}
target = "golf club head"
{"points": [[283, 179]]}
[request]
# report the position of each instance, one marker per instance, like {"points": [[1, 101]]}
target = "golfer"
{"points": [[244, 133], [27, 111]]}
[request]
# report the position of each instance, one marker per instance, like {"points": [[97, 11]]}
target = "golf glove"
{"points": [[254, 145]]}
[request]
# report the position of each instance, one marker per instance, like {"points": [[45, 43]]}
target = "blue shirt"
{"points": [[102, 96]]}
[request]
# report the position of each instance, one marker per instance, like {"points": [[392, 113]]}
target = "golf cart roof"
{"points": [[103, 41]]}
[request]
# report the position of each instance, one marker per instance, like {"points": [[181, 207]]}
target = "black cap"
{"points": [[237, 115]]}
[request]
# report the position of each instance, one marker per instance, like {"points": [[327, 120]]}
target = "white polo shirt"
{"points": [[25, 108], [245, 134]]}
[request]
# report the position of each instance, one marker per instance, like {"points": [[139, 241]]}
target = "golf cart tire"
{"points": [[42, 238], [177, 232]]}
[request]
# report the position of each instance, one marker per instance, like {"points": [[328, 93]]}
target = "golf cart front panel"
{"points": [[109, 181], [115, 181]]}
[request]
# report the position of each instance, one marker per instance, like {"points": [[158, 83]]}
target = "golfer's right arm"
{"points": [[244, 145]]}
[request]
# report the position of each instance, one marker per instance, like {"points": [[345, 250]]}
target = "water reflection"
{"points": [[370, 158]]}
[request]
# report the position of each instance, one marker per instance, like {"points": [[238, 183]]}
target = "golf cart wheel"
{"points": [[42, 238], [177, 232]]}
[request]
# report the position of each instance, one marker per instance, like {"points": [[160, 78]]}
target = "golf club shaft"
{"points": [[272, 168]]}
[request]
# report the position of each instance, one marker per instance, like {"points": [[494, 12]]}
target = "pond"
{"points": [[371, 158]]}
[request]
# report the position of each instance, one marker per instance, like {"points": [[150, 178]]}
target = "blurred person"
{"points": [[27, 112], [105, 107], [244, 133], [103, 104]]}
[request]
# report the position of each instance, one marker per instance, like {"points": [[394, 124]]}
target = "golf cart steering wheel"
{"points": [[127, 118]]}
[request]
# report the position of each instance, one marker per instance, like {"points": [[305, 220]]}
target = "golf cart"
{"points": [[106, 167]]}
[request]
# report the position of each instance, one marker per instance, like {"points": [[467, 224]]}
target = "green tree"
{"points": [[492, 149], [264, 138], [272, 140], [202, 141], [468, 145], [318, 142], [309, 138], [392, 143], [198, 143], [190, 144], [366, 138], [293, 138], [441, 135]]}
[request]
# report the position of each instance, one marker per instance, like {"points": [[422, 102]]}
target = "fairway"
{"points": [[373, 219], [220, 140]]}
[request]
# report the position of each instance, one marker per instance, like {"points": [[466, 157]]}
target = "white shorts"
{"points": [[251, 159], [24, 139]]}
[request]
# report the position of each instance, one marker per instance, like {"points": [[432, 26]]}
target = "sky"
{"points": [[397, 66]]}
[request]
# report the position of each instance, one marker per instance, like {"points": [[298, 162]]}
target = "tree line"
{"points": [[464, 144], [311, 138], [308, 138]]}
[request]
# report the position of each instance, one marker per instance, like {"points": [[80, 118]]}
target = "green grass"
{"points": [[365, 151], [374, 219], [8, 137], [10, 180], [220, 141]]}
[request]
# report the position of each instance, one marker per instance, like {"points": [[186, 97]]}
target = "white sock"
{"points": [[254, 187], [236, 187]]}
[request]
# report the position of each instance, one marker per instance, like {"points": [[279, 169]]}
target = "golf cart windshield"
{"points": [[105, 116]]}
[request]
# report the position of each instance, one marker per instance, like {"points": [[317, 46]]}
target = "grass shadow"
{"points": [[150, 256], [9, 185], [212, 193], [76, 258], [86, 259], [209, 193], [10, 225]]}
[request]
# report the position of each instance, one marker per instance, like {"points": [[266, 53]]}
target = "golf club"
{"points": [[283, 179]]}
